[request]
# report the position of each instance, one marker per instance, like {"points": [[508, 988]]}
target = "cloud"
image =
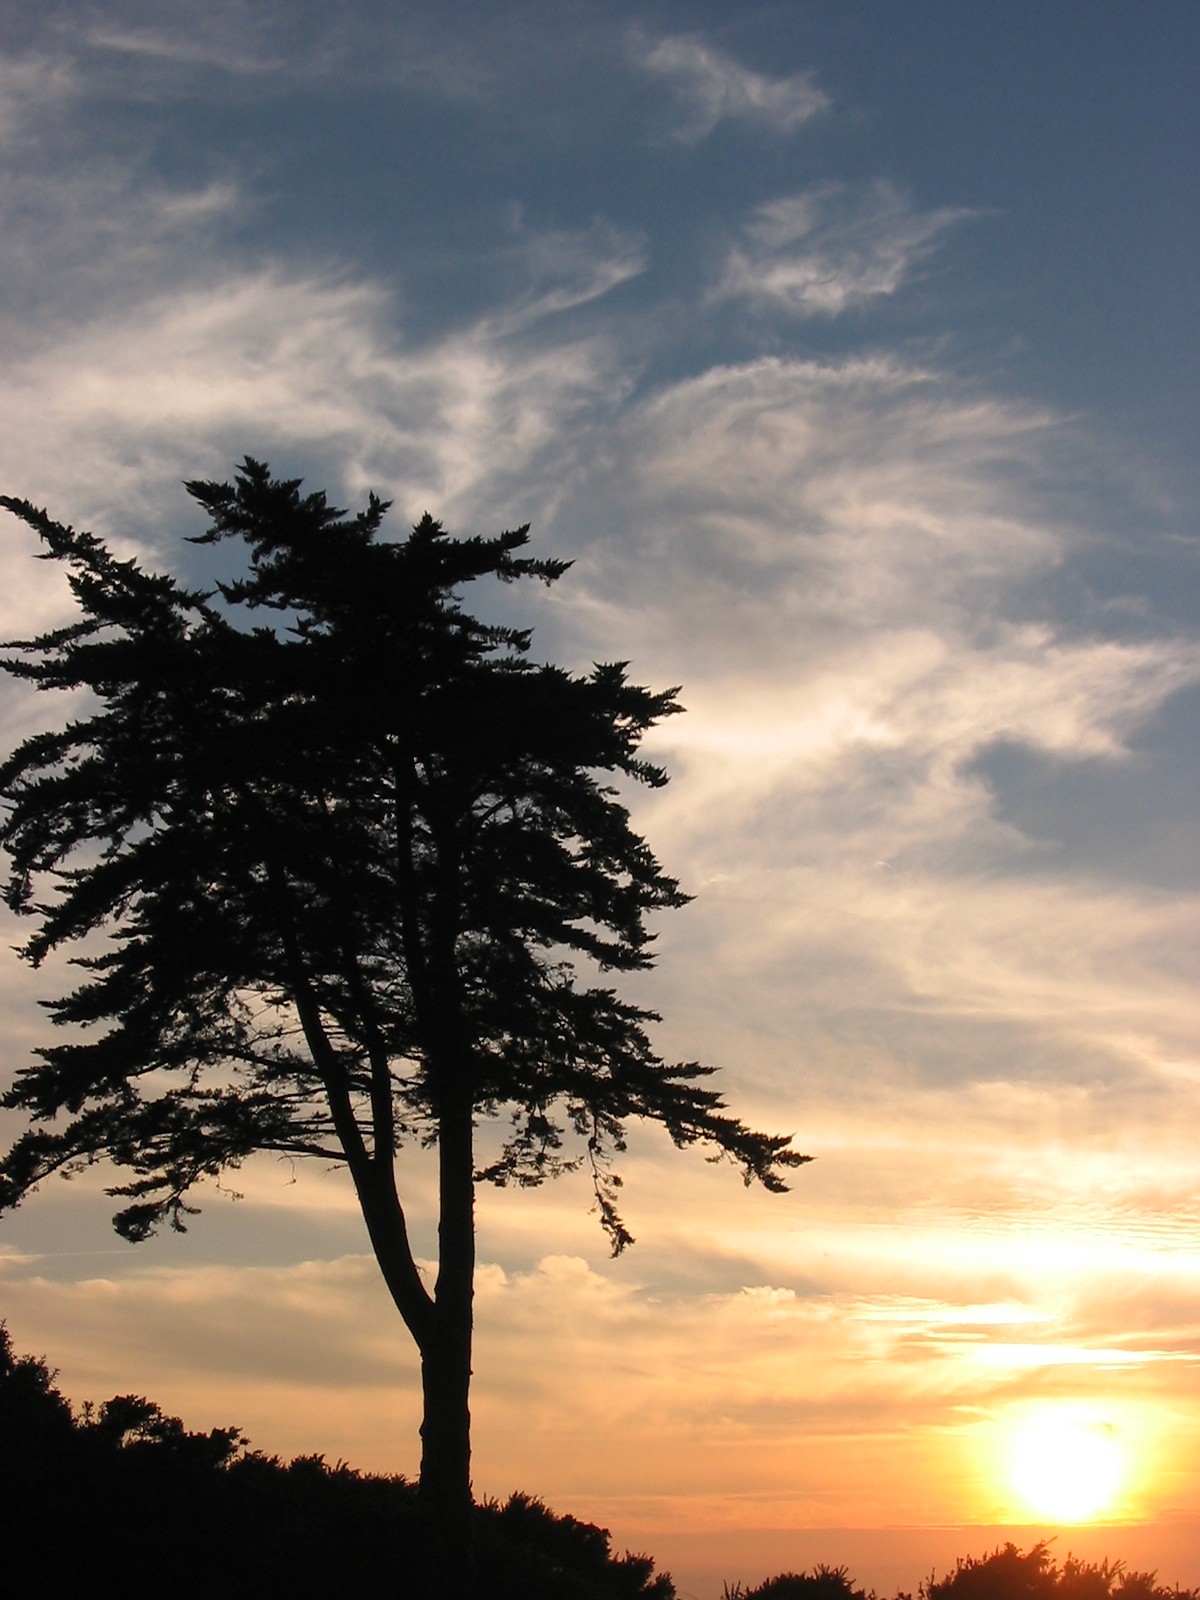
{"points": [[831, 555], [102, 238], [274, 360], [146, 51], [869, 484], [712, 87], [135, 50], [32, 86], [561, 269], [868, 755], [830, 250], [312, 1356], [817, 527], [843, 561], [144, 343], [241, 51]]}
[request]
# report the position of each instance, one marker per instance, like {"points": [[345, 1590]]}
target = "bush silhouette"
{"points": [[1011, 1574], [822, 1583], [122, 1490]]}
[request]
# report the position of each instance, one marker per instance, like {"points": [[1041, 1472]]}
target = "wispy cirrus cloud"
{"points": [[274, 359], [558, 269], [870, 534], [713, 87], [142, 47], [830, 250], [147, 51], [144, 342], [242, 51], [32, 86]]}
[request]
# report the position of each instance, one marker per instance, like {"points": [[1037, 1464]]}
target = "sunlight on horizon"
{"points": [[1067, 1464]]}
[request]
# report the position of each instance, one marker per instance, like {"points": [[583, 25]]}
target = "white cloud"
{"points": [[108, 412], [148, 50], [32, 87], [714, 88], [784, 507], [837, 560], [561, 269], [102, 237], [230, 38], [830, 250], [865, 757]]}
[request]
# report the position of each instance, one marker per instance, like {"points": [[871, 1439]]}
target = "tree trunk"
{"points": [[445, 1485]]}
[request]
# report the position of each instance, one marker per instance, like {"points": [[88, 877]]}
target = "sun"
{"points": [[1066, 1466]]}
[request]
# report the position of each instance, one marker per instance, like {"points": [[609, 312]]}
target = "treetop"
{"points": [[325, 878]]}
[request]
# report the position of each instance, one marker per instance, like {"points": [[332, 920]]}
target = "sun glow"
{"points": [[1066, 1466]]}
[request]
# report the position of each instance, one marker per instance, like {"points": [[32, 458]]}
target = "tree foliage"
{"points": [[339, 865], [331, 856]]}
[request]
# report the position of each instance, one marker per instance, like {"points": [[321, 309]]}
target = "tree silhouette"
{"points": [[347, 843]]}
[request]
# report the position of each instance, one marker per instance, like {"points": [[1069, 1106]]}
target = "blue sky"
{"points": [[849, 350]]}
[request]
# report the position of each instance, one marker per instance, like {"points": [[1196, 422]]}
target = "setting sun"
{"points": [[1066, 1467]]}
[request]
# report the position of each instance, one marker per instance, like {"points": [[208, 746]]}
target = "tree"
{"points": [[347, 844]]}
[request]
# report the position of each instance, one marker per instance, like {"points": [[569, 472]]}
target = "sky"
{"points": [[849, 351]]}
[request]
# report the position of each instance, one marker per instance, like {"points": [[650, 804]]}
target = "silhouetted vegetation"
{"points": [[1012, 1574], [124, 1493], [822, 1583], [345, 866], [1006, 1574]]}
